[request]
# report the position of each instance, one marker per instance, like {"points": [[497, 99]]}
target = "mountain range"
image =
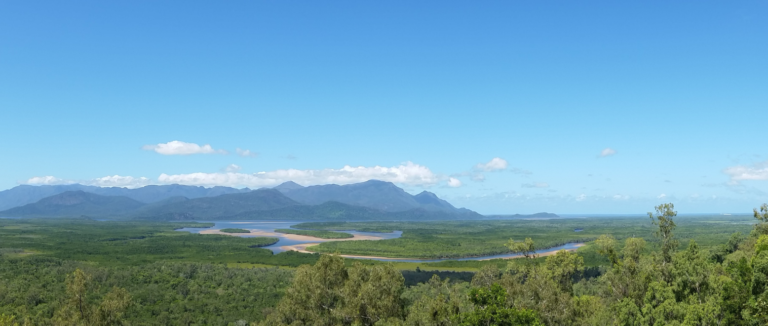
{"points": [[25, 194], [362, 201]]}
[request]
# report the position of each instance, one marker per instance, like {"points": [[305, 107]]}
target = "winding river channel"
{"points": [[299, 243]]}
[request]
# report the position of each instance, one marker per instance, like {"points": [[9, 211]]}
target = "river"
{"points": [[285, 241]]}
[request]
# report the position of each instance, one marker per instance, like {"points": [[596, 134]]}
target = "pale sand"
{"points": [[303, 248], [259, 233]]}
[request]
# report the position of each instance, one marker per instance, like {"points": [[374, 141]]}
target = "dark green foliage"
{"points": [[413, 278], [317, 234], [232, 230], [490, 309], [161, 293], [328, 293]]}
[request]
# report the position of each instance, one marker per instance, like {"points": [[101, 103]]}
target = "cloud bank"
{"points": [[757, 171], [108, 181], [407, 173], [495, 164], [181, 148]]}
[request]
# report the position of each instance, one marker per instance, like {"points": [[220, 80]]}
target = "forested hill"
{"points": [[259, 204]]}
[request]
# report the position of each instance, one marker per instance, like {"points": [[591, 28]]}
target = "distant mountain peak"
{"points": [[288, 186], [426, 194]]}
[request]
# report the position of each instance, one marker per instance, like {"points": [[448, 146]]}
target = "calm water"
{"points": [[271, 226]]}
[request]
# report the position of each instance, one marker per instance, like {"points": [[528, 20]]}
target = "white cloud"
{"points": [[757, 171], [454, 183], [232, 168], [495, 164], [607, 152], [535, 185], [47, 180], [581, 197], [246, 153], [407, 173], [662, 196], [119, 181], [181, 148], [620, 197], [108, 181]]}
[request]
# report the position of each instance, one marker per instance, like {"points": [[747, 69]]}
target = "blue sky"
{"points": [[499, 106]]}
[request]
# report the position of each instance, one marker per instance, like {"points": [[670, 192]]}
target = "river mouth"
{"points": [[287, 242]]}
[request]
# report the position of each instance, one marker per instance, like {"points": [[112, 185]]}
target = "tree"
{"points": [[6, 320], [330, 294], [606, 246], [526, 248], [762, 215], [692, 274], [664, 220], [490, 310], [762, 218], [561, 267], [372, 293], [438, 303], [487, 275], [78, 311], [112, 308]]}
